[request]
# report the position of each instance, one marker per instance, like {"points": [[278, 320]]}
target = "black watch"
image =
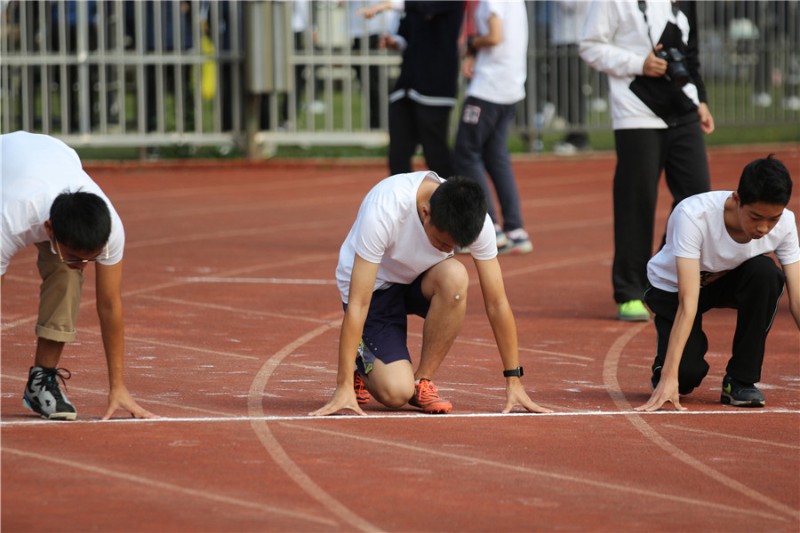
{"points": [[515, 372]]}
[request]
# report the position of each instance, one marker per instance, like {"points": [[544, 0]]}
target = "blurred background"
{"points": [[259, 78]]}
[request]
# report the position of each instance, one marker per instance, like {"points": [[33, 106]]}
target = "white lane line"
{"points": [[733, 436], [255, 407], [610, 372], [155, 484], [537, 472], [274, 281], [395, 416]]}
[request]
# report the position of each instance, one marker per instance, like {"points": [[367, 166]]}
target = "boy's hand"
{"points": [[666, 391], [516, 395], [342, 399], [120, 398]]}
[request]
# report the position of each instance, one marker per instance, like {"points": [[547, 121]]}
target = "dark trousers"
{"points": [[753, 289], [412, 124], [371, 75], [641, 156], [481, 148]]}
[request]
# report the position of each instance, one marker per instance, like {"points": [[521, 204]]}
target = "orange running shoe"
{"points": [[362, 394], [426, 397]]}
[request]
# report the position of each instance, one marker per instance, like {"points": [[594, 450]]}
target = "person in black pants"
{"points": [[659, 116], [425, 92], [715, 256]]}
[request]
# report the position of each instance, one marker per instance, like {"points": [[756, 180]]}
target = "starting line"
{"points": [[415, 416], [273, 281]]}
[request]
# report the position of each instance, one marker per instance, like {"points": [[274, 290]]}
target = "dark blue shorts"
{"points": [[385, 335]]}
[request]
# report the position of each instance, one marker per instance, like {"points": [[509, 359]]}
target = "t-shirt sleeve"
{"points": [[373, 233], [687, 235], [788, 250]]}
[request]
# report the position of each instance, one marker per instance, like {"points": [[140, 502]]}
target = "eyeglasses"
{"points": [[104, 255]]}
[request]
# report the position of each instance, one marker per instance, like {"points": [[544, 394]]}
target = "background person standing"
{"points": [[659, 115]]}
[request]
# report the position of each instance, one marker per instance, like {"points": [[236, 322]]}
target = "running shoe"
{"points": [[362, 394], [43, 395], [740, 394], [633, 311], [426, 397], [517, 243]]}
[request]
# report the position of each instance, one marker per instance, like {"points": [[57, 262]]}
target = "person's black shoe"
{"points": [[43, 395], [740, 394], [656, 377]]}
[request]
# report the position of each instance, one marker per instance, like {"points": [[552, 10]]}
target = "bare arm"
{"points": [[109, 310], [362, 281], [792, 272], [504, 327], [688, 297]]}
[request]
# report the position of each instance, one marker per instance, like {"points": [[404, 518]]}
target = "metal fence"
{"points": [[264, 73]]}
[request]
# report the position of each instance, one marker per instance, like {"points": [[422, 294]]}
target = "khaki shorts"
{"points": [[59, 296]]}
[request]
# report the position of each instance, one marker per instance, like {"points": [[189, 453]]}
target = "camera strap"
{"points": [[643, 8]]}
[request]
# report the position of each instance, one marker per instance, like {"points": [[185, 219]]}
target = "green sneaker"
{"points": [[633, 311]]}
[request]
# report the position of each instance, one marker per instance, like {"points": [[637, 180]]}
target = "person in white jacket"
{"points": [[659, 115]]}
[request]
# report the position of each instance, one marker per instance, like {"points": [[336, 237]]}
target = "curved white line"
{"points": [[255, 408], [610, 368]]}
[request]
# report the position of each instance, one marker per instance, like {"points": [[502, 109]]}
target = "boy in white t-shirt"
{"points": [[715, 257], [49, 201], [398, 260]]}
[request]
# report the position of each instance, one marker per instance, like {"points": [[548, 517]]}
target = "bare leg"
{"points": [[446, 286], [48, 353], [392, 384]]}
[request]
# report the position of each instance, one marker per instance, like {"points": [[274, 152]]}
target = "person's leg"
{"points": [[639, 164], [473, 128], [693, 366], [445, 287], [59, 303], [434, 127], [383, 360], [498, 165], [753, 289], [374, 86], [402, 136], [686, 164]]}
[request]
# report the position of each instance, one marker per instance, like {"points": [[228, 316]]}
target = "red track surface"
{"points": [[232, 324]]}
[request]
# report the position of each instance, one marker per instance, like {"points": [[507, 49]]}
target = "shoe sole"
{"points": [[52, 416], [634, 318], [441, 411], [515, 250], [433, 410], [727, 399]]}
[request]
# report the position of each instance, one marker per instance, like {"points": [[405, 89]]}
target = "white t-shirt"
{"points": [[696, 230], [388, 231], [34, 169], [501, 70]]}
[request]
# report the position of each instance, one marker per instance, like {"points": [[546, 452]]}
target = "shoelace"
{"points": [[427, 389], [48, 377]]}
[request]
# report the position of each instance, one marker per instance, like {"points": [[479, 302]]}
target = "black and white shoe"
{"points": [[43, 395]]}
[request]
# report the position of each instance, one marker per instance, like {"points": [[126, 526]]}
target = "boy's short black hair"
{"points": [[80, 220], [765, 180], [458, 207]]}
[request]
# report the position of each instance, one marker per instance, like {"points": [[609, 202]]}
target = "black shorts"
{"points": [[385, 335]]}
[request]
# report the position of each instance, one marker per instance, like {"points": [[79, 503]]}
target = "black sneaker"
{"points": [[43, 395], [740, 394], [656, 377]]}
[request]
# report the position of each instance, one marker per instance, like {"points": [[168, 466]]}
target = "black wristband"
{"points": [[471, 50], [515, 372]]}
